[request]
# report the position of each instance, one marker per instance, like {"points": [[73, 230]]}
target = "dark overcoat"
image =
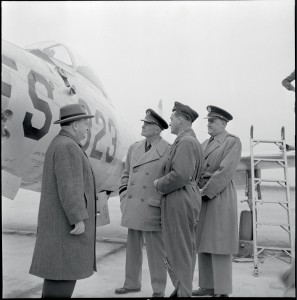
{"points": [[67, 197], [181, 202], [141, 202], [217, 231]]}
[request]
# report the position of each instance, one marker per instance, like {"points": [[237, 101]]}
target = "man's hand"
{"points": [[79, 228], [156, 182], [288, 147]]}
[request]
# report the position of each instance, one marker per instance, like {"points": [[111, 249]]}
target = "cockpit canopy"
{"points": [[62, 53]]}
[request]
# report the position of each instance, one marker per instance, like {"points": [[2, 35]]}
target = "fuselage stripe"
{"points": [[9, 62], [5, 89]]}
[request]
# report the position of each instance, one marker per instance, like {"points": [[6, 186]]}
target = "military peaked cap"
{"points": [[152, 117], [185, 109], [216, 112]]}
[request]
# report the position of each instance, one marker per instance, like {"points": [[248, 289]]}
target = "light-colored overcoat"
{"points": [[217, 231], [181, 202], [67, 197], [140, 202]]}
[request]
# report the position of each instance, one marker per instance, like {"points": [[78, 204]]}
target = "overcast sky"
{"points": [[233, 54]]}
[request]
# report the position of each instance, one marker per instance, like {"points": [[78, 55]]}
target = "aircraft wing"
{"points": [[269, 162]]}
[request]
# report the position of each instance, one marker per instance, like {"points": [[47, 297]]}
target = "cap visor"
{"points": [[149, 122]]}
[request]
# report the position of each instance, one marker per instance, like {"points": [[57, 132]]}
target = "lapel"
{"points": [[141, 157], [217, 142]]}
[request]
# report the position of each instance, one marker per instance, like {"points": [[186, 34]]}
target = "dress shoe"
{"points": [[124, 290], [158, 295], [222, 295], [203, 292]]}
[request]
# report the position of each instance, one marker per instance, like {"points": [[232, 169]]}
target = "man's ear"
{"points": [[74, 125]]}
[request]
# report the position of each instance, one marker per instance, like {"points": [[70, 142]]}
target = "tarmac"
{"points": [[19, 218]]}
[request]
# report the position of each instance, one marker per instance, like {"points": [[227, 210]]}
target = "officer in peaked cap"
{"points": [[140, 206], [186, 110], [216, 112], [217, 230], [152, 117], [181, 200]]}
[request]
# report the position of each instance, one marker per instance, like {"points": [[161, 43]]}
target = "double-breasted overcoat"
{"points": [[67, 197], [217, 231], [141, 202], [181, 202]]}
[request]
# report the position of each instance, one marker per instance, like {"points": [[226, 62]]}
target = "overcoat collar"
{"points": [[141, 157], [66, 133], [187, 132], [218, 140]]}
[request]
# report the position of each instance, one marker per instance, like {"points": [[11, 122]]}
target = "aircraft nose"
{"points": [[5, 115]]}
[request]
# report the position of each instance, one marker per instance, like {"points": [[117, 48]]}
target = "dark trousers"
{"points": [[215, 272], [58, 288], [155, 252]]}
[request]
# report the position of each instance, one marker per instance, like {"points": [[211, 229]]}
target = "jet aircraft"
{"points": [[36, 82]]}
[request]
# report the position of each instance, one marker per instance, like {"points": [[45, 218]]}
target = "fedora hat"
{"points": [[72, 112]]}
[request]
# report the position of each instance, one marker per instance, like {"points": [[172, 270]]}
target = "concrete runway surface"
{"points": [[19, 219]]}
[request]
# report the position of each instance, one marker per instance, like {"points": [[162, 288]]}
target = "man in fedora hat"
{"points": [[181, 199], [140, 206], [217, 231], [65, 242]]}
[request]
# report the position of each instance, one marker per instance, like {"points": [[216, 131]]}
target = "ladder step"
{"points": [[269, 159], [267, 141], [270, 180], [274, 248], [272, 224], [274, 202]]}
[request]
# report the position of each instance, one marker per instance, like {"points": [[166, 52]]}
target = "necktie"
{"points": [[147, 147], [210, 140], [209, 143]]}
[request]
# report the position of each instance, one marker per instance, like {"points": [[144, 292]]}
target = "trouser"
{"points": [[215, 272], [58, 288], [179, 222], [155, 252]]}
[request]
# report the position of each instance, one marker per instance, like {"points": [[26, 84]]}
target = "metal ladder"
{"points": [[256, 180]]}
